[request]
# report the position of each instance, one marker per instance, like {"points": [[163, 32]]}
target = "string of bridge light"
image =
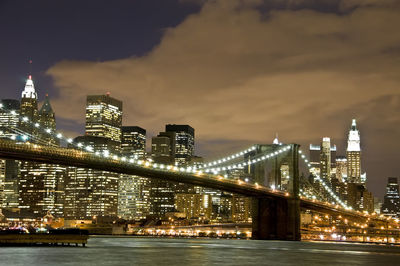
{"points": [[229, 158], [250, 162], [324, 185]]}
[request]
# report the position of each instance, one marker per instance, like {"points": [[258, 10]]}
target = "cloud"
{"points": [[237, 75]]}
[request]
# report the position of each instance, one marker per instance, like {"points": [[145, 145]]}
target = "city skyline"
{"points": [[368, 96]]}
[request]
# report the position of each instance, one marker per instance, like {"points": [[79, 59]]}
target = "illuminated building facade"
{"points": [[325, 159], [341, 168], [104, 117], [133, 191], [353, 155], [194, 205], [391, 201], [184, 142], [241, 209], [9, 169], [89, 192], [41, 186], [9, 117], [162, 193], [133, 141]]}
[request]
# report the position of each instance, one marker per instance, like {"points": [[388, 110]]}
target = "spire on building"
{"points": [[46, 107], [353, 141], [276, 141], [29, 90]]}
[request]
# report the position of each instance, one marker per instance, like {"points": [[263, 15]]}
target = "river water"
{"points": [[179, 251]]}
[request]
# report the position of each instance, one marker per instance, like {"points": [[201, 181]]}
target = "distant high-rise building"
{"points": [[341, 168], [47, 119], [184, 143], [163, 148], [359, 198], [29, 109], [391, 201], [104, 117], [91, 192], [9, 169], [133, 142], [41, 186], [133, 191], [325, 159], [9, 118], [353, 155]]}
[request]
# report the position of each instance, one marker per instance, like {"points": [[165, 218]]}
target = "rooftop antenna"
{"points": [[30, 68]]}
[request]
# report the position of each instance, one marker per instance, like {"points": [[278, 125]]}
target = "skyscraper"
{"points": [[29, 108], [91, 192], [9, 169], [163, 147], [47, 119], [353, 155], [41, 186], [184, 142], [341, 168], [104, 117], [133, 191], [391, 201], [325, 159], [9, 118], [133, 142]]}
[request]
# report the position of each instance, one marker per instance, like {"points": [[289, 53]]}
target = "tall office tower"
{"points": [[353, 155], [325, 159], [41, 187], [104, 117], [133, 191], [341, 168], [29, 108], [9, 119], [162, 193], [163, 148], [91, 192], [315, 152], [391, 201], [133, 141], [184, 144], [47, 119]]}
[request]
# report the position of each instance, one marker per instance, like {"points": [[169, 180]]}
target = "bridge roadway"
{"points": [[77, 158]]}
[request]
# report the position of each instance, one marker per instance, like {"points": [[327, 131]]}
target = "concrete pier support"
{"points": [[279, 218]]}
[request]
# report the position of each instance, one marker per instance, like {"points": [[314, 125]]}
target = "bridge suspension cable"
{"points": [[324, 185], [229, 158], [253, 160]]}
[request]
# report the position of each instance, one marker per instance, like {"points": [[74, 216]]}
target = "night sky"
{"points": [[237, 71]]}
